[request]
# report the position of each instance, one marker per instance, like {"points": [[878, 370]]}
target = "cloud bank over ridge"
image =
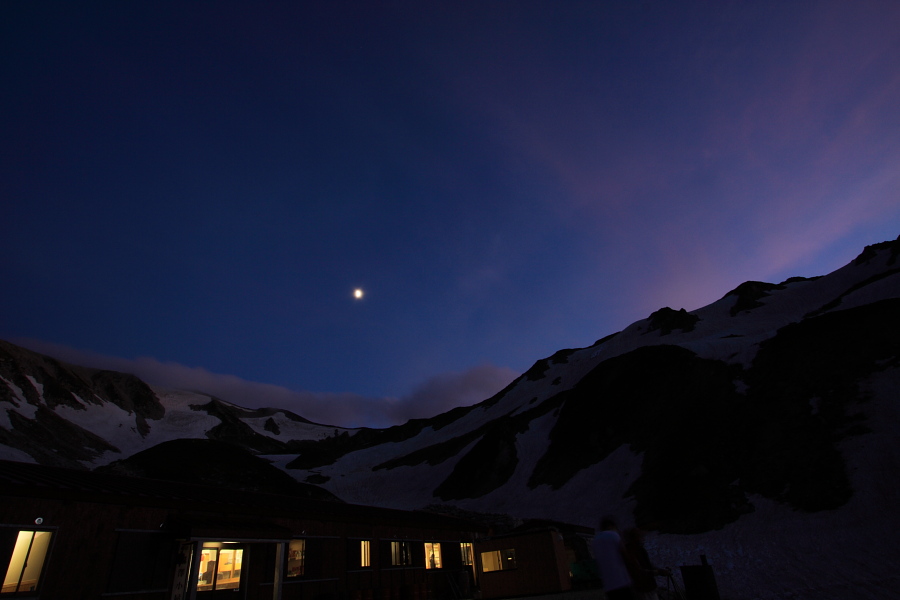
{"points": [[435, 395]]}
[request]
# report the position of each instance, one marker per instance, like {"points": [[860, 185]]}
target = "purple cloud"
{"points": [[444, 391], [437, 394]]}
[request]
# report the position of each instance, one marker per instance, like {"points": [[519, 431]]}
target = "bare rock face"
{"points": [[52, 440], [773, 409], [36, 385], [749, 398], [42, 379], [666, 320], [233, 430], [749, 294]]}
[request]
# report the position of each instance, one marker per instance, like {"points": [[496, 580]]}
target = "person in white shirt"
{"points": [[610, 556]]}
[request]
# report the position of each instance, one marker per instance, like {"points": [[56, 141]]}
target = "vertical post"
{"points": [[194, 577], [279, 568], [182, 571], [25, 559]]}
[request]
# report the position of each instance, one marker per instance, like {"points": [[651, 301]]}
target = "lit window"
{"points": [[27, 562], [220, 567], [401, 554], [432, 555], [467, 553], [296, 558], [498, 560], [365, 553]]}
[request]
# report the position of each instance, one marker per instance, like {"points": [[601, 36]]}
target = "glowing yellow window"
{"points": [[27, 562], [365, 557], [296, 560], [401, 554], [498, 560], [220, 567], [465, 549], [432, 555]]}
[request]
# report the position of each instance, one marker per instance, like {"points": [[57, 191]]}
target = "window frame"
{"points": [[505, 560], [467, 553], [301, 558], [433, 549], [365, 554], [219, 546], [401, 554], [359, 554], [11, 560]]}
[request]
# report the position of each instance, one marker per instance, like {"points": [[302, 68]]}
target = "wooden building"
{"points": [[536, 558], [80, 535]]}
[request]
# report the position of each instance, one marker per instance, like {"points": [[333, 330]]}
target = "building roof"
{"points": [[38, 481]]}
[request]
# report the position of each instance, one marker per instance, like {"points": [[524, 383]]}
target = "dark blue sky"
{"points": [[198, 187]]}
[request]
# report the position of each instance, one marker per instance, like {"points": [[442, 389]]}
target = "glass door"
{"points": [[220, 566]]}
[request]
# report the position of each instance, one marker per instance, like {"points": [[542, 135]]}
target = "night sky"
{"points": [[192, 191]]}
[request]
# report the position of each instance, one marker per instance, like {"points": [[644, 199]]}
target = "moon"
{"points": [[358, 293]]}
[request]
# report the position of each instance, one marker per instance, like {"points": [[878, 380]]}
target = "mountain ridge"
{"points": [[774, 406]]}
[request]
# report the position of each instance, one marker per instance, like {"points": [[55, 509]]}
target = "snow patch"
{"points": [[289, 429], [107, 420], [119, 427], [39, 387], [16, 390], [16, 455], [22, 406], [78, 399]]}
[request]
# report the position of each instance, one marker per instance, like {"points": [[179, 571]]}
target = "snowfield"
{"points": [[775, 552]]}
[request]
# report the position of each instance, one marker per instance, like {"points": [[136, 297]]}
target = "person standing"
{"points": [[610, 556]]}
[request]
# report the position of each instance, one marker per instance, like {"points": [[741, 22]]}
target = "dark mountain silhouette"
{"points": [[214, 463], [773, 409]]}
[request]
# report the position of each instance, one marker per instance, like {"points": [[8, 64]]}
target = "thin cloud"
{"points": [[445, 391], [794, 155], [437, 394]]}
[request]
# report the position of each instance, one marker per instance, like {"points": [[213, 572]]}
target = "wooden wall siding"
{"points": [[88, 515], [541, 565]]}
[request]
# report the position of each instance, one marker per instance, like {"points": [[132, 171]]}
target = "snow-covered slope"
{"points": [[66, 415], [762, 430], [730, 330]]}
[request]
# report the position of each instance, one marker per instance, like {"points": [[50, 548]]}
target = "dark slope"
{"points": [[751, 395], [49, 438], [213, 463], [74, 386], [710, 434], [237, 433], [706, 446]]}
